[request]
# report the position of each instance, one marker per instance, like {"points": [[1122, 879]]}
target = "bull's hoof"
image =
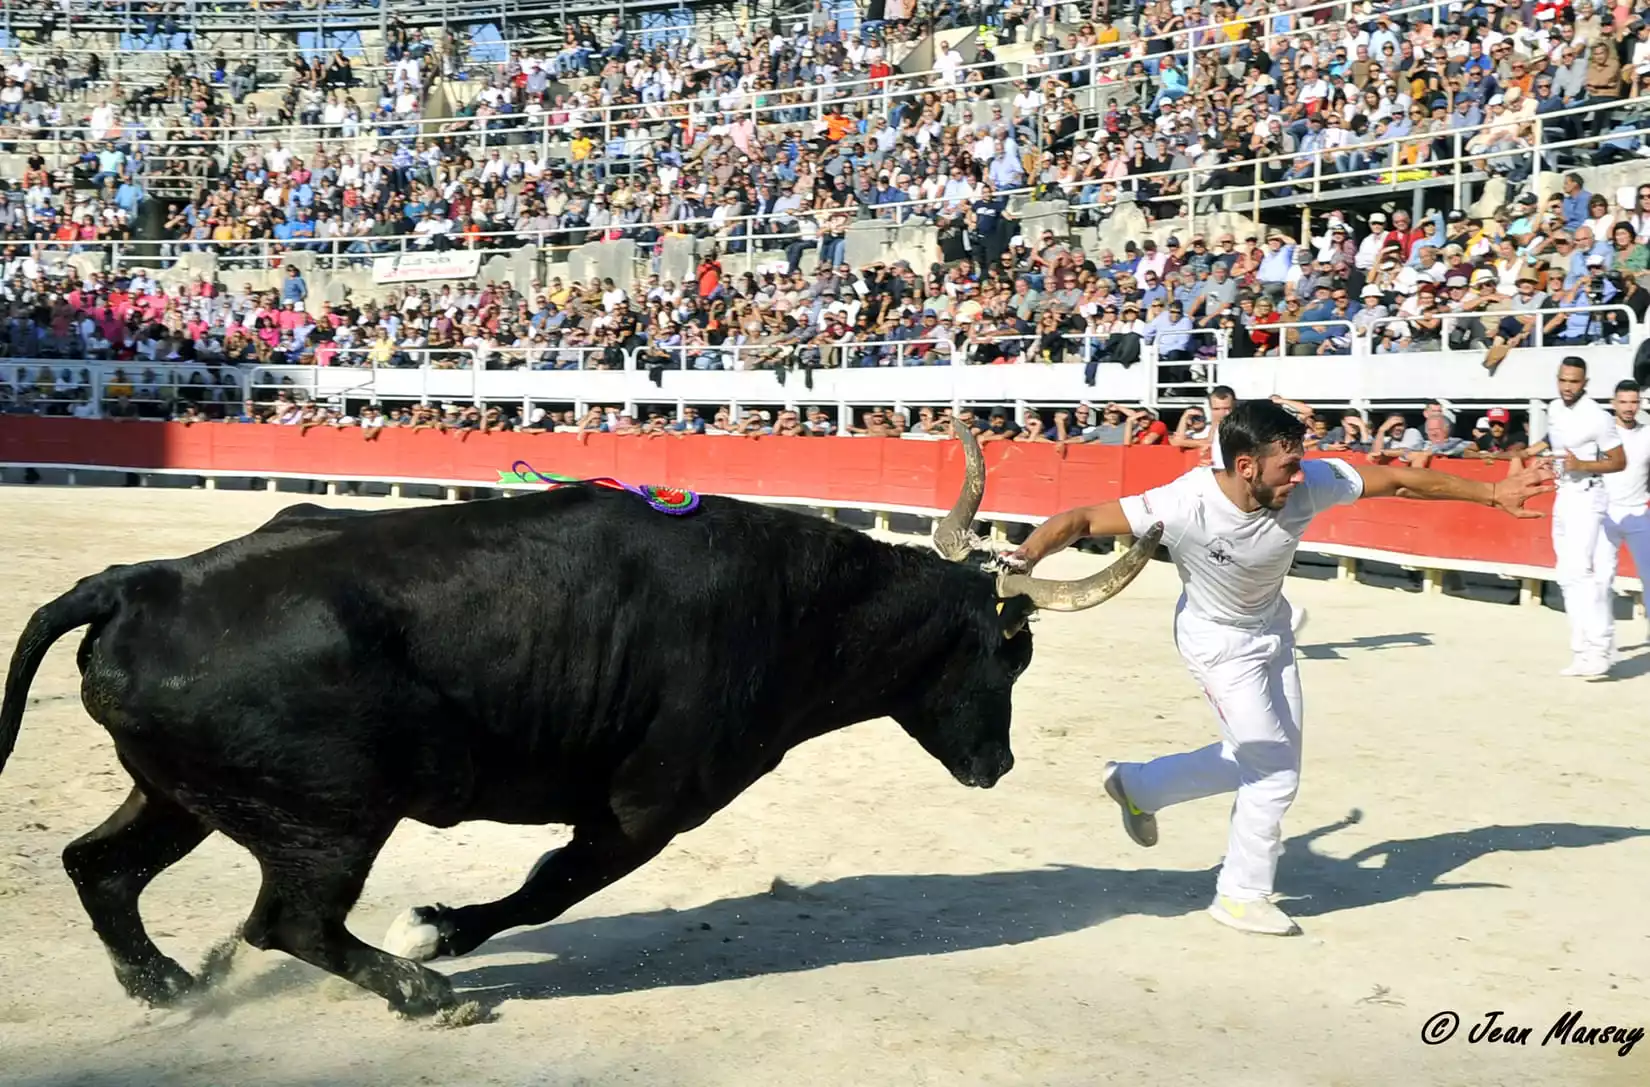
{"points": [[423, 995], [418, 934], [159, 985]]}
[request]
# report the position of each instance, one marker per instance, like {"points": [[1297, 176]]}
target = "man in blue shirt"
{"points": [[1576, 323], [129, 195], [1576, 199], [1151, 290], [1171, 331], [293, 287]]}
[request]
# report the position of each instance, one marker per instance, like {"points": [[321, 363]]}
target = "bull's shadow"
{"points": [[872, 918]]}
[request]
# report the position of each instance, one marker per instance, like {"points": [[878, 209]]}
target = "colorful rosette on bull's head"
{"points": [[672, 500]]}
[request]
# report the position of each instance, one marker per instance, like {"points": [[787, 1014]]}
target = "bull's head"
{"points": [[963, 716]]}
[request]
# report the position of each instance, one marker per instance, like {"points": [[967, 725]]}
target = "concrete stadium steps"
{"points": [[513, 20], [228, 16]]}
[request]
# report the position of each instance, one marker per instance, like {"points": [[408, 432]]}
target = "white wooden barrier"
{"points": [[1431, 567]]}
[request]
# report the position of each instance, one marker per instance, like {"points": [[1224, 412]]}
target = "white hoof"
{"points": [[411, 938]]}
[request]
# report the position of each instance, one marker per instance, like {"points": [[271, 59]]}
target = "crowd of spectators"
{"points": [[1211, 84], [1523, 277]]}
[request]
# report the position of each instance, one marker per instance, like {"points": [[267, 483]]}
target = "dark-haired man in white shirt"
{"points": [[1232, 534]]}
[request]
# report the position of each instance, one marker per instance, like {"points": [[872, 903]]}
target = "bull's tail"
{"points": [[94, 599]]}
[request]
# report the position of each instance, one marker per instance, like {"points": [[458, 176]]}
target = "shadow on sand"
{"points": [[872, 918], [1331, 651]]}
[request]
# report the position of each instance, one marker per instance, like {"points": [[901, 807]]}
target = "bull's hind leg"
{"points": [[302, 908], [596, 857], [110, 867]]}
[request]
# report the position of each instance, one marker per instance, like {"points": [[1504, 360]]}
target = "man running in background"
{"points": [[1627, 493], [1585, 448], [1233, 533]]}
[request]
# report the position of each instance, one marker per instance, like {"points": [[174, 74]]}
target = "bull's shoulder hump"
{"points": [[303, 512]]}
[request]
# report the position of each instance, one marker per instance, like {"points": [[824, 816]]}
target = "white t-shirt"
{"points": [[1631, 488], [1586, 430], [1232, 564]]}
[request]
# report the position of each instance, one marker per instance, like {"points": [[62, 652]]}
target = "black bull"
{"points": [[568, 657]]}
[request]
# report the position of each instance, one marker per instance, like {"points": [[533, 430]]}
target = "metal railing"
{"points": [[263, 16], [821, 97], [424, 372], [360, 250], [633, 25], [1602, 323], [1253, 192], [816, 353], [1184, 44]]}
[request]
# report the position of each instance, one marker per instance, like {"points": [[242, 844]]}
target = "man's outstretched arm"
{"points": [[1509, 494], [1064, 529]]}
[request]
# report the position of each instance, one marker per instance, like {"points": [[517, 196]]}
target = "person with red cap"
{"points": [[1501, 437]]}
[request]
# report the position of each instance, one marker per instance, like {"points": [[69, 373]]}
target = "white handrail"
{"points": [[1365, 339], [620, 112], [266, 249], [1286, 186], [1138, 47]]}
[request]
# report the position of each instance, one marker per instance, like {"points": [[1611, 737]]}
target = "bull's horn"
{"points": [[1051, 595], [952, 537]]}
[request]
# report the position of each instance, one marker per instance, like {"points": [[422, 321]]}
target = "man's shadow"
{"points": [[1330, 651], [878, 917]]}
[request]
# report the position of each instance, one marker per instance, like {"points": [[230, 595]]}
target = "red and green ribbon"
{"points": [[672, 500]]}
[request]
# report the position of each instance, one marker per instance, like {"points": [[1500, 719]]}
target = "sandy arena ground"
{"points": [[859, 918]]}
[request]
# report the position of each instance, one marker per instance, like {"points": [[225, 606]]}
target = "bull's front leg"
{"points": [[596, 857]]}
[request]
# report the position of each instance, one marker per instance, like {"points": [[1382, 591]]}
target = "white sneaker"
{"points": [[1258, 915], [1585, 666], [1297, 621]]}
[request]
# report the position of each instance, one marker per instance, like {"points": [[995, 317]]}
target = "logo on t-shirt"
{"points": [[1220, 553]]}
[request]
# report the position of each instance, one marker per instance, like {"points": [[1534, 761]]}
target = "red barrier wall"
{"points": [[1026, 479]]}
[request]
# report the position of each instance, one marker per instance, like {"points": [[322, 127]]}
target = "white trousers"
{"points": [[1251, 682], [1628, 525], [1578, 532]]}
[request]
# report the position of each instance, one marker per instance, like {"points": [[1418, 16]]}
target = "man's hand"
{"points": [[1519, 487], [1013, 562], [1572, 463]]}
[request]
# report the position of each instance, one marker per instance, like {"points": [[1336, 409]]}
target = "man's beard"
{"points": [[1266, 495]]}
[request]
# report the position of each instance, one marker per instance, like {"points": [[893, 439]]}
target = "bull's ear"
{"points": [[1013, 612]]}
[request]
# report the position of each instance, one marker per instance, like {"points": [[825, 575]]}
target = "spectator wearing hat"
{"points": [[1499, 435], [1480, 296]]}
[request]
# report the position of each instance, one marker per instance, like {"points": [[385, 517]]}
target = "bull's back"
{"points": [[532, 644]]}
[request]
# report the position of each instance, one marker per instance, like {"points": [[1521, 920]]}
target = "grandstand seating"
{"points": [[519, 161]]}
